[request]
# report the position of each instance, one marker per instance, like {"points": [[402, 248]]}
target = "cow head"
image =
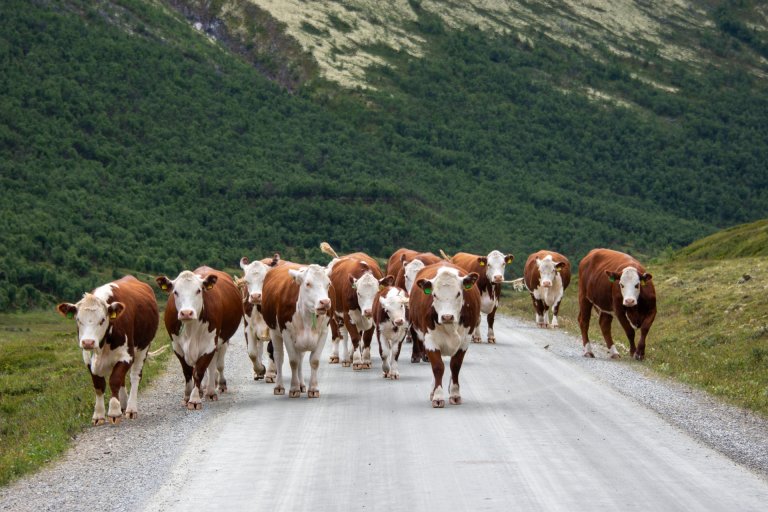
{"points": [[393, 302], [93, 317], [313, 284], [630, 280], [494, 265], [410, 270], [366, 287], [548, 269], [253, 277], [188, 289], [447, 291]]}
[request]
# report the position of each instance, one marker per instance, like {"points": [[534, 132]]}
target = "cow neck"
{"points": [[485, 285]]}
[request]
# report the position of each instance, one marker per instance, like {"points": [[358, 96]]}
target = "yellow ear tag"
{"points": [[642, 282], [208, 286], [113, 315], [482, 263], [164, 287], [509, 260], [381, 287]]}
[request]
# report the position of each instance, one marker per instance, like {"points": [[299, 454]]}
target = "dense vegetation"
{"points": [[131, 143]]}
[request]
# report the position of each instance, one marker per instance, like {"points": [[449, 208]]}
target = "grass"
{"points": [[711, 330], [46, 394]]}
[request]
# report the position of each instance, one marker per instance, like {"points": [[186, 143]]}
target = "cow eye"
{"points": [[457, 294], [176, 294], [198, 292], [102, 321], [637, 286]]}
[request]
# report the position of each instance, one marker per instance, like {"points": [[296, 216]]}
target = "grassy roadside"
{"points": [[711, 330], [46, 394]]}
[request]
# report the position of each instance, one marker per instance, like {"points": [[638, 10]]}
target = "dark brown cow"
{"points": [[203, 312], [445, 312], [410, 266], [115, 325], [491, 271], [297, 306], [616, 284], [355, 281], [547, 275]]}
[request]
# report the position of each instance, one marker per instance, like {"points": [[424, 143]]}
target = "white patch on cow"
{"points": [[631, 323], [98, 409], [410, 269], [494, 267], [93, 317], [613, 352], [132, 407], [488, 303], [114, 408], [366, 288], [449, 335], [188, 295], [104, 359], [194, 341], [550, 288], [629, 284]]}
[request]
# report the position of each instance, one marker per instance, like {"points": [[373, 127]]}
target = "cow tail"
{"points": [[326, 248], [445, 256]]}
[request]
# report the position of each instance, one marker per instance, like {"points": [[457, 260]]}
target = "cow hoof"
{"points": [[385, 375], [303, 388], [115, 420], [279, 390], [346, 364], [258, 377], [294, 393], [213, 398], [424, 358], [366, 366], [542, 324], [615, 356], [438, 404], [476, 340], [415, 359], [132, 415], [313, 393], [269, 380], [333, 359], [97, 421], [223, 389], [194, 406], [394, 376], [589, 354], [491, 340], [639, 357], [455, 400], [357, 366]]}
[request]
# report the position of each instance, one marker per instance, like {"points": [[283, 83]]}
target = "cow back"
{"points": [[531, 271], [343, 294], [423, 316], [138, 321]]}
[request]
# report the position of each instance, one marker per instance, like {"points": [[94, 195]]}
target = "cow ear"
{"points": [[509, 258], [612, 276], [67, 310], [560, 266], [210, 281], [353, 282], [645, 278], [386, 281], [115, 310], [297, 275], [426, 285], [483, 260], [244, 262], [164, 283], [470, 280], [275, 260]]}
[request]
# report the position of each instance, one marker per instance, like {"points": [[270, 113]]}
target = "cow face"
{"points": [[630, 280], [93, 317], [494, 265], [253, 276], [188, 289], [410, 270], [393, 303], [548, 270], [366, 287], [313, 284], [447, 290]]}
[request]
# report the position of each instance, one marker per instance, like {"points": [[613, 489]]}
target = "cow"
{"points": [[256, 330], [395, 262], [297, 306], [547, 275], [203, 312], [616, 284], [445, 312], [410, 265], [355, 279], [116, 323], [389, 318], [490, 268]]}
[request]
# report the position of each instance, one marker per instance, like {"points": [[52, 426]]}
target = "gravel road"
{"points": [[541, 429]]}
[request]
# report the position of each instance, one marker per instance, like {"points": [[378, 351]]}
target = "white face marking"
{"points": [[188, 295], [494, 268], [629, 284], [411, 269], [547, 271], [366, 289], [313, 284], [92, 320], [394, 304], [447, 295], [253, 275]]}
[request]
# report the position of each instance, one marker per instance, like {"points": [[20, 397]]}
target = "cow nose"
{"points": [[367, 313], [399, 321], [447, 319], [255, 298], [88, 344], [546, 284], [325, 304], [629, 302], [186, 314], [497, 278]]}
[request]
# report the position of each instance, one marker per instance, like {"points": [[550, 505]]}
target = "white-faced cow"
{"points": [[491, 271], [256, 330], [297, 307], [203, 312], [445, 312], [547, 275], [115, 325], [616, 284], [395, 262], [410, 266], [355, 279], [389, 317]]}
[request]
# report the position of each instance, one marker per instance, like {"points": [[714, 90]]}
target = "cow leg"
{"points": [[490, 319], [116, 383], [201, 365], [605, 328], [314, 364], [555, 311], [255, 350], [585, 310], [277, 340], [302, 383], [394, 372], [187, 370], [99, 386], [438, 368], [272, 370], [132, 407], [123, 397], [384, 351], [335, 339], [454, 392], [417, 351], [220, 379], [367, 338], [357, 356], [293, 360], [538, 307]]}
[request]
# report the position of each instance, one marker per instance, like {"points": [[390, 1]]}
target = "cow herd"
{"points": [[435, 302]]}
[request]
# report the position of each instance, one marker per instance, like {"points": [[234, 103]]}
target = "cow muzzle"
{"points": [[187, 314], [630, 302], [367, 313], [546, 284], [498, 279], [255, 298], [323, 306], [88, 344], [446, 319], [398, 322]]}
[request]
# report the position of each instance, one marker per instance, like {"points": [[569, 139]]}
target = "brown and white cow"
{"points": [[616, 284], [203, 312], [490, 268], [355, 279], [116, 323], [256, 330], [445, 312], [297, 307], [410, 266], [389, 317], [547, 275], [395, 262]]}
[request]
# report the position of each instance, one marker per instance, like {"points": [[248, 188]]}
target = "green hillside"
{"points": [[743, 241], [129, 141]]}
